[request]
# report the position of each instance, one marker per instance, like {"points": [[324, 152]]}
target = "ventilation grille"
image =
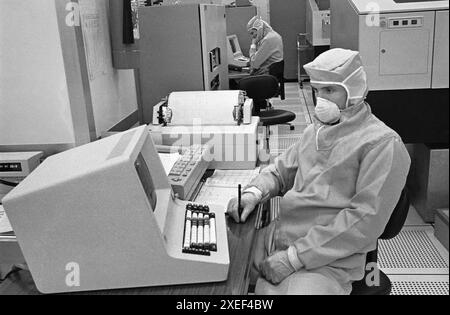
{"points": [[411, 249], [420, 288]]}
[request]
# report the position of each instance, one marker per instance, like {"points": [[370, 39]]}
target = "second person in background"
{"points": [[266, 48]]}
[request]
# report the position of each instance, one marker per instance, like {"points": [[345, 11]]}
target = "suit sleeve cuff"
{"points": [[255, 191], [293, 258]]}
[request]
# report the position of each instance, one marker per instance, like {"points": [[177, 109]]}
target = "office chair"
{"points": [[261, 88], [277, 70], [391, 230]]}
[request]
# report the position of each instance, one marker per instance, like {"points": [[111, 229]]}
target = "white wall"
{"points": [[263, 9], [34, 102], [113, 91], [35, 108]]}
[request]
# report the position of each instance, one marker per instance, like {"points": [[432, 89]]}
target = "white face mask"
{"points": [[327, 111]]}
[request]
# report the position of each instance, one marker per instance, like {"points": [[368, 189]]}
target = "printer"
{"points": [[221, 119]]}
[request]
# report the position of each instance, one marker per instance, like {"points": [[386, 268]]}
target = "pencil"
{"points": [[239, 202]]}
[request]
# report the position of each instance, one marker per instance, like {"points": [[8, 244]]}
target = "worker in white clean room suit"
{"points": [[266, 47], [340, 184]]}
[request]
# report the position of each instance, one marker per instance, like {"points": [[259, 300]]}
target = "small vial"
{"points": [[187, 230], [194, 231], [200, 230], [206, 231], [212, 232]]}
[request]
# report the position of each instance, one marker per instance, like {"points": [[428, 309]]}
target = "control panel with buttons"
{"points": [[188, 170], [403, 22]]}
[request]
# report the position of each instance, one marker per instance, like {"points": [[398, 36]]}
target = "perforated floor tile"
{"points": [[414, 251], [284, 130], [419, 285], [294, 102], [291, 86]]}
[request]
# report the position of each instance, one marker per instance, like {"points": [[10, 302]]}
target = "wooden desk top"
{"points": [[240, 243]]}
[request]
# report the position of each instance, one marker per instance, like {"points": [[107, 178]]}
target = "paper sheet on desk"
{"points": [[222, 186], [5, 226], [168, 160], [232, 178], [216, 195]]}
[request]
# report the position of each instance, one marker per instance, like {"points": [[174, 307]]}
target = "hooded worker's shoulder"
{"points": [[375, 132], [273, 38]]}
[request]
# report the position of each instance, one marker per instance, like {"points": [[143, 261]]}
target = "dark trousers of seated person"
{"points": [[321, 281], [234, 84]]}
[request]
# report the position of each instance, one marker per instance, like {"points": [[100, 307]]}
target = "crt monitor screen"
{"points": [[146, 180], [232, 45]]}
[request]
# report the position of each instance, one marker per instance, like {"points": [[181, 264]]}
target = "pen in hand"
{"points": [[239, 202]]}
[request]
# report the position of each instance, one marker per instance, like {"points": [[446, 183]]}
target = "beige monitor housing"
{"points": [[103, 216], [234, 52]]}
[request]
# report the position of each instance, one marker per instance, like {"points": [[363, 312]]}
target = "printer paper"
{"points": [[222, 186], [203, 107], [232, 178], [216, 195], [5, 226]]}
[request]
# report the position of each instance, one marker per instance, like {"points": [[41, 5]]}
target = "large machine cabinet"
{"points": [[318, 22], [404, 47], [182, 48]]}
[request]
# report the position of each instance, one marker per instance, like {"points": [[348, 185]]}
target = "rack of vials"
{"points": [[199, 230]]}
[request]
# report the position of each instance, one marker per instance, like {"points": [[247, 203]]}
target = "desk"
{"points": [[237, 75], [240, 242]]}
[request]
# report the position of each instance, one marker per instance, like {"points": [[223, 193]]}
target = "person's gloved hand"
{"points": [[253, 46], [248, 203], [277, 267]]}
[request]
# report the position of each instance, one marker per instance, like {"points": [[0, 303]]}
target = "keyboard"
{"points": [[199, 230], [187, 172], [243, 59]]}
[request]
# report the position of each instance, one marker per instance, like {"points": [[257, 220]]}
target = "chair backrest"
{"points": [[277, 70], [260, 88], [398, 217], [392, 228]]}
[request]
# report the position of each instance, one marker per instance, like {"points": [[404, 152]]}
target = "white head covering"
{"points": [[340, 67], [261, 26]]}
